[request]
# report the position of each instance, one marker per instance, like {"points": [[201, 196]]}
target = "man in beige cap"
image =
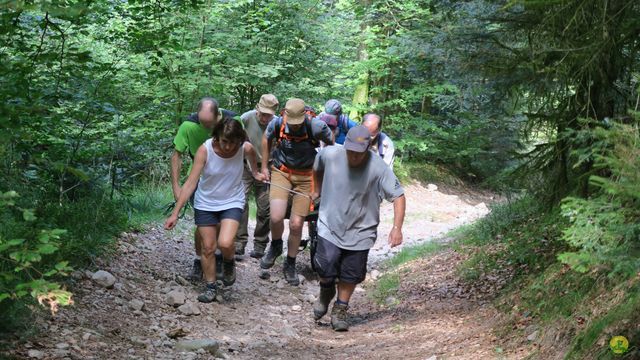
{"points": [[296, 136], [255, 122]]}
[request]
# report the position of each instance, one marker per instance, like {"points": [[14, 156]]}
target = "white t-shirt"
{"points": [[220, 186]]}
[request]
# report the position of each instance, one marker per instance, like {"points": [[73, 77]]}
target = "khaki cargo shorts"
{"points": [[295, 182]]}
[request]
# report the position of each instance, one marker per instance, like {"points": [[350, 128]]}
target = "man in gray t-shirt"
{"points": [[352, 183]]}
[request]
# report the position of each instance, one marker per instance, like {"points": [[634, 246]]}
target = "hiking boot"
{"points": [[267, 261], [339, 317], [321, 306], [290, 274], [196, 271], [303, 245], [258, 251], [256, 254], [228, 272], [239, 249], [209, 294]]}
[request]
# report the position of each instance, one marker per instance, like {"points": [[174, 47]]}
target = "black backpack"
{"points": [[226, 114]]}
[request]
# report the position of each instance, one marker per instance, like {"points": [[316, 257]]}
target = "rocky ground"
{"points": [[140, 307]]}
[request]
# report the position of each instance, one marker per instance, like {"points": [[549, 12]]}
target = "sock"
{"points": [[291, 260], [276, 242], [211, 285], [340, 302], [229, 261]]}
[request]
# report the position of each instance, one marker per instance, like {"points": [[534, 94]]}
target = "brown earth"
{"points": [[433, 316]]}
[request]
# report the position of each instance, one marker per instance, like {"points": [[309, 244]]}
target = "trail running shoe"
{"points": [[209, 294]]}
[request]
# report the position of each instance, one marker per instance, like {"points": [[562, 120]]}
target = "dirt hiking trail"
{"points": [[432, 318]]}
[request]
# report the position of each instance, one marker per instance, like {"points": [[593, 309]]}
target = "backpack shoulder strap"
{"points": [[193, 117], [279, 128], [380, 146], [344, 123]]}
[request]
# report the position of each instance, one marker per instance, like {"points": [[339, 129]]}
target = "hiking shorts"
{"points": [[213, 218], [295, 182], [349, 266]]}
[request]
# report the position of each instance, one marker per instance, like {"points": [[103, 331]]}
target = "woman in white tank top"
{"points": [[219, 199]]}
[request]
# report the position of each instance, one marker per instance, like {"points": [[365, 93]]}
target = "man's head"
{"points": [[373, 123], [331, 121], [266, 108], [357, 145], [208, 112], [294, 111], [333, 107]]}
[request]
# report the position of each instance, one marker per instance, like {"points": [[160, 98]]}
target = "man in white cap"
{"points": [[349, 217], [255, 123], [296, 136]]}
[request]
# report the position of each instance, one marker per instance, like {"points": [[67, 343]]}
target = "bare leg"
{"points": [[226, 237], [278, 210], [209, 243], [295, 234], [345, 290]]}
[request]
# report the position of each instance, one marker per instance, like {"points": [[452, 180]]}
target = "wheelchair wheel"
{"points": [[313, 242]]}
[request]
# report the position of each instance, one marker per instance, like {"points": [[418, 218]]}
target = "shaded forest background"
{"points": [[536, 99]]}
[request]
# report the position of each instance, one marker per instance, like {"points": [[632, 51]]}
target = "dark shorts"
{"points": [[212, 218], [350, 266]]}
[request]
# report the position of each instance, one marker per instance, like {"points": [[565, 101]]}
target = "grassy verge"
{"points": [[577, 312], [425, 173], [145, 204], [385, 290]]}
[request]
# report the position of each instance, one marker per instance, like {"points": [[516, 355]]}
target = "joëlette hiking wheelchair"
{"points": [[312, 222]]}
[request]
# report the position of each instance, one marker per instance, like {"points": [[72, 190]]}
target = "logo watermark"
{"points": [[619, 345]]}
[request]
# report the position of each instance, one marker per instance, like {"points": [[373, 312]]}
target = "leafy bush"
{"points": [[22, 270]]}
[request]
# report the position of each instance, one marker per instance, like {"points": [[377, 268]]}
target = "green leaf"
{"points": [[28, 215], [63, 265], [47, 248], [50, 273]]}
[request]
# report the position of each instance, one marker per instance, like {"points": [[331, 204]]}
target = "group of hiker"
{"points": [[288, 160]]}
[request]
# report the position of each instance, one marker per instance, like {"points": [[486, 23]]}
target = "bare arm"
{"points": [[399, 206], [176, 166], [318, 175], [188, 187], [250, 155]]}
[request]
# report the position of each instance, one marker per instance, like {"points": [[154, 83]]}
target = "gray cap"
{"points": [[333, 107], [357, 139]]}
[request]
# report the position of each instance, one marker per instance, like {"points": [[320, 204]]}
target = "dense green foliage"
{"points": [[533, 97]]}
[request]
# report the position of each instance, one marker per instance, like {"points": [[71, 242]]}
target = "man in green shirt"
{"points": [[191, 134]]}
